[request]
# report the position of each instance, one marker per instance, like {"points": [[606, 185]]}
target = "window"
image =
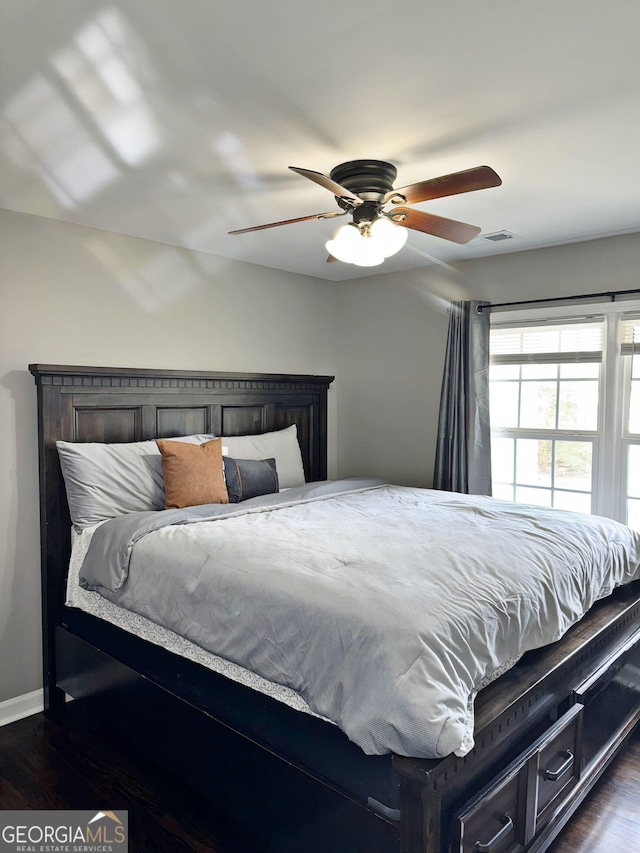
{"points": [[565, 410]]}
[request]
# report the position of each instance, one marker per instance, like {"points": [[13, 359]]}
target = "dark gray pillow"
{"points": [[248, 478]]}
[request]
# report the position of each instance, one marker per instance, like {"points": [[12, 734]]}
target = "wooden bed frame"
{"points": [[544, 731]]}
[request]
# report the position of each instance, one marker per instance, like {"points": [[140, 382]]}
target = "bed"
{"points": [[543, 731]]}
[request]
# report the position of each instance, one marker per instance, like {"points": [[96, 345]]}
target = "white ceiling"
{"points": [[176, 120]]}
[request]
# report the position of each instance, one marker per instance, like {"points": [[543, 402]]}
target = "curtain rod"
{"points": [[609, 294]]}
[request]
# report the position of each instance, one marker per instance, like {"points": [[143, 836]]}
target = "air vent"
{"points": [[498, 236]]}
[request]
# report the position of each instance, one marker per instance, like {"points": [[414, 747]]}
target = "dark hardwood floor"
{"points": [[608, 821], [73, 763]]}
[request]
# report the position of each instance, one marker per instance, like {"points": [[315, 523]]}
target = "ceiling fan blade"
{"points": [[437, 226], [331, 259], [327, 183], [289, 222], [480, 178]]}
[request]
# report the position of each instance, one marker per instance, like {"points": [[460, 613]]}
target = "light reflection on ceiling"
{"points": [[100, 69], [176, 121]]}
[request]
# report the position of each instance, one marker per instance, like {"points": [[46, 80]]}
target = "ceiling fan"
{"points": [[363, 188]]}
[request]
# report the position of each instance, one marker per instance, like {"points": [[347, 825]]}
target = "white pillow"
{"points": [[107, 480], [281, 445]]}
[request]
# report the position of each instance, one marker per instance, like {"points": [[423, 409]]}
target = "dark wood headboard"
{"points": [[123, 404]]}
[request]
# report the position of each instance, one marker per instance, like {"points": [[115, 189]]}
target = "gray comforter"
{"points": [[385, 607]]}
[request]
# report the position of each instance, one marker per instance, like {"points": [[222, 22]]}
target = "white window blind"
{"points": [[630, 335], [551, 342]]}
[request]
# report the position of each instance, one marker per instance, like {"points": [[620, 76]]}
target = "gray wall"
{"points": [[392, 336], [74, 295], [611, 263], [393, 331]]}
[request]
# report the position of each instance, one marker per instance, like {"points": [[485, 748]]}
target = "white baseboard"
{"points": [[21, 706]]}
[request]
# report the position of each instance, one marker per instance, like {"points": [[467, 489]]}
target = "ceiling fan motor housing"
{"points": [[371, 180]]}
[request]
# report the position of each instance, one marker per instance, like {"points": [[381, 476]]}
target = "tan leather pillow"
{"points": [[193, 473]]}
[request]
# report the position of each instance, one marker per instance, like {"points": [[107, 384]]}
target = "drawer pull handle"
{"points": [[554, 775], [497, 839]]}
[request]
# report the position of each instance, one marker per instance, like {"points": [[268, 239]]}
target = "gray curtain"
{"points": [[463, 451]]}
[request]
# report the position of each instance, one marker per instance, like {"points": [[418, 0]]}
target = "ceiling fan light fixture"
{"points": [[353, 245], [367, 245], [368, 254], [389, 238], [344, 245]]}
